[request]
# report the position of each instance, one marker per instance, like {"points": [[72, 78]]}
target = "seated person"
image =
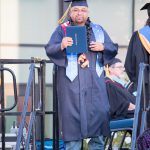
{"points": [[122, 102]]}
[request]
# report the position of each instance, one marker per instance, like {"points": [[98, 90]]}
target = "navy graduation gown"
{"points": [[83, 103]]}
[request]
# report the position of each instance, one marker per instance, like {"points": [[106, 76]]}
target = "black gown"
{"points": [[119, 98], [137, 54]]}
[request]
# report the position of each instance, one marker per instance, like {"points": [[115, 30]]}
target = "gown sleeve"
{"points": [[136, 54], [110, 49], [130, 62], [53, 48]]}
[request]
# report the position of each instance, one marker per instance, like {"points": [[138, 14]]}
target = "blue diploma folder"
{"points": [[79, 37]]}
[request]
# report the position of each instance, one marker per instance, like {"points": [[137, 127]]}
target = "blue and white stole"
{"points": [[72, 68], [99, 36], [144, 35]]}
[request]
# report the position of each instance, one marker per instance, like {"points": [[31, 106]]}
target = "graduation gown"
{"points": [[83, 103], [137, 54], [119, 99]]}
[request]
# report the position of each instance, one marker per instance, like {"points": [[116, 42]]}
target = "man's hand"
{"points": [[131, 106], [66, 41], [83, 61], [96, 46]]}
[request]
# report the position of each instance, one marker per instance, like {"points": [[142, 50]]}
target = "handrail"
{"points": [[15, 90], [32, 119], [23, 61], [23, 115], [138, 99], [40, 113]]}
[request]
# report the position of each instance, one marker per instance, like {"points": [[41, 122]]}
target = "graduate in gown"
{"points": [[83, 100], [122, 102], [138, 52]]}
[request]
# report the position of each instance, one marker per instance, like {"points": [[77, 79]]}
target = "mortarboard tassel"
{"points": [[107, 71], [61, 20]]}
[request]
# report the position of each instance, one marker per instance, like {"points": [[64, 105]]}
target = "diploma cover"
{"points": [[79, 37]]}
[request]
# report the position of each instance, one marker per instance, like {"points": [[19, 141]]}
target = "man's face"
{"points": [[117, 70], [79, 14]]}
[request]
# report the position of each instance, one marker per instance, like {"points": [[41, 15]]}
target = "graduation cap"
{"points": [[110, 63], [77, 2], [72, 4], [146, 6], [114, 61]]}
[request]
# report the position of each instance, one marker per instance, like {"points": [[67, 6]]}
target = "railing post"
{"points": [[55, 110], [43, 92], [2, 106], [138, 100]]}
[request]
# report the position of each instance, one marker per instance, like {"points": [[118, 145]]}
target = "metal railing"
{"points": [[140, 91], [25, 107], [35, 111]]}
